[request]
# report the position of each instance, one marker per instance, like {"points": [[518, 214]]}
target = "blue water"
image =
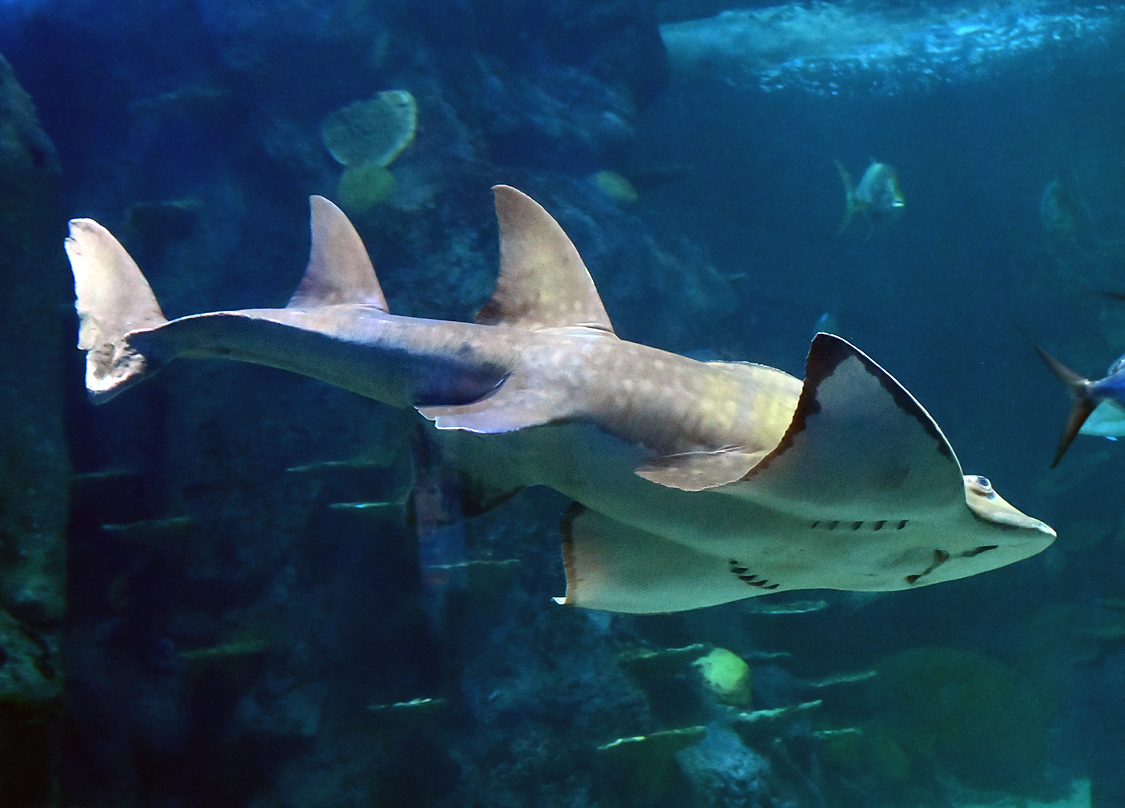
{"points": [[253, 652]]}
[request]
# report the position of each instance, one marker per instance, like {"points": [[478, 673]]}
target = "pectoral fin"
{"points": [[859, 445], [618, 568], [697, 471], [514, 404]]}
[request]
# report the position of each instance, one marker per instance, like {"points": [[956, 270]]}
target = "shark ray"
{"points": [[695, 483]]}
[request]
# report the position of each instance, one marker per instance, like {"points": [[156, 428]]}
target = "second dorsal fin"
{"points": [[339, 269], [543, 282]]}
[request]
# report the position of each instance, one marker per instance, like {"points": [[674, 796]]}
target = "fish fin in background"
{"points": [[445, 494], [620, 568], [852, 204], [456, 461], [435, 511], [857, 438], [1082, 407], [339, 269]]}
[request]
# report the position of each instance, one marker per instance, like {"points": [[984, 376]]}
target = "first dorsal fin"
{"points": [[543, 282], [339, 269]]}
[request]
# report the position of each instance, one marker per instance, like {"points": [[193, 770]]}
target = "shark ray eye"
{"points": [[981, 486]]}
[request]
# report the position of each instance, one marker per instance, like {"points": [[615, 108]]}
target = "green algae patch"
{"points": [[371, 131], [727, 675], [363, 187], [615, 186]]}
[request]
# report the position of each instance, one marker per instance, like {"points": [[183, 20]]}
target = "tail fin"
{"points": [[1079, 388], [114, 300]]}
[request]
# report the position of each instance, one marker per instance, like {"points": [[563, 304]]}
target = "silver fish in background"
{"points": [[1072, 234], [877, 198], [695, 483]]}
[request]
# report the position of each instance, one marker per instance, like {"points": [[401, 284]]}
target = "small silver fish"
{"points": [[788, 607], [1070, 228], [1099, 406], [878, 197]]}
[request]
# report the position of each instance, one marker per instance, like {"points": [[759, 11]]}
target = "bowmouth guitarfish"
{"points": [[695, 483]]}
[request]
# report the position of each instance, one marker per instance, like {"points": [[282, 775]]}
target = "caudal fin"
{"points": [[114, 300], [1079, 388]]}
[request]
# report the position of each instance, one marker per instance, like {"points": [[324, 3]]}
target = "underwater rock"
{"points": [[556, 85], [484, 580], [1079, 797], [616, 41], [644, 765], [664, 675], [561, 118], [173, 527], [346, 481], [159, 222], [35, 471], [989, 729], [28, 660], [660, 661], [294, 714], [757, 725], [295, 50], [33, 481], [421, 715]]}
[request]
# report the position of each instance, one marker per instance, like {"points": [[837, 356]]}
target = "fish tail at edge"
{"points": [[1083, 405]]}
